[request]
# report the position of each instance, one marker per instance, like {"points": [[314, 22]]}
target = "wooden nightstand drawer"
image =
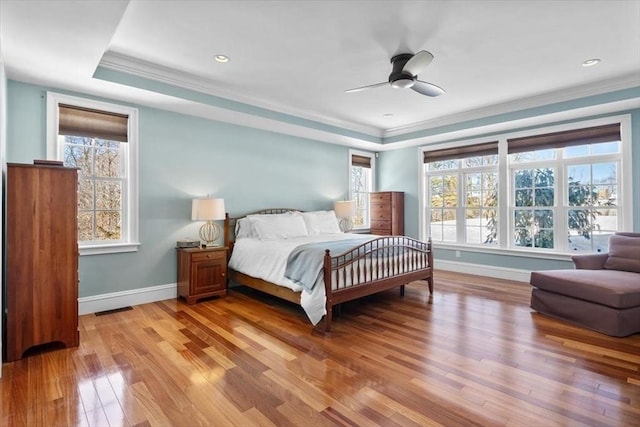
{"points": [[208, 256]]}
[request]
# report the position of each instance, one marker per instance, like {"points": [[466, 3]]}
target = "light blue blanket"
{"points": [[305, 262]]}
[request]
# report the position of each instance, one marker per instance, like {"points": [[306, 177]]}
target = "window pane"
{"points": [[85, 194], [79, 157], [524, 198], [108, 225], [605, 173], [543, 218], [442, 165], [443, 224], [109, 194], [592, 149], [471, 162], [544, 197], [576, 151], [532, 156], [605, 148], [85, 226], [108, 163], [544, 239]]}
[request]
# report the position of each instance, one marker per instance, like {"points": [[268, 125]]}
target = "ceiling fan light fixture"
{"points": [[403, 83]]}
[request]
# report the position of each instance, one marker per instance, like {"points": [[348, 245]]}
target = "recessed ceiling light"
{"points": [[221, 58], [590, 62], [388, 115]]}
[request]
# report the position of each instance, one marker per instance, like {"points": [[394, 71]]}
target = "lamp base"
{"points": [[346, 225], [209, 233]]}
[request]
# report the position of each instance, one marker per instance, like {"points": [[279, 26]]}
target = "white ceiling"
{"points": [[298, 57]]}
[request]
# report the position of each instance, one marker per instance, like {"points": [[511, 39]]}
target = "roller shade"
{"points": [[361, 161], [79, 121], [592, 135], [484, 149]]}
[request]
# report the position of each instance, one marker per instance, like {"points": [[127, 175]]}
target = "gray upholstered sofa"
{"points": [[602, 293]]}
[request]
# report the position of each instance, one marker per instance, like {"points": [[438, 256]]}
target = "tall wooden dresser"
{"points": [[41, 294], [387, 213]]}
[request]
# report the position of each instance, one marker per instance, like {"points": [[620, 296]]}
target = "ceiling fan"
{"points": [[406, 67]]}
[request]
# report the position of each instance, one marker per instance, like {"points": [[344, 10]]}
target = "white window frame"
{"points": [[625, 220], [130, 221], [372, 157]]}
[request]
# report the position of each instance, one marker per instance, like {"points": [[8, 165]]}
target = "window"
{"points": [[361, 174], [462, 185], [561, 191], [100, 140]]}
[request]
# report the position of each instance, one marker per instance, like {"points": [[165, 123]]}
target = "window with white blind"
{"points": [[561, 189], [99, 139]]}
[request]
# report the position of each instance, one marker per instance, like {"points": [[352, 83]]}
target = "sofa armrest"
{"points": [[590, 261]]}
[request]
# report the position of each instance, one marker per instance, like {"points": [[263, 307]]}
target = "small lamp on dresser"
{"points": [[345, 210], [208, 210]]}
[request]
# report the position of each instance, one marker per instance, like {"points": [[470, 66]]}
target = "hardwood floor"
{"points": [[473, 355]]}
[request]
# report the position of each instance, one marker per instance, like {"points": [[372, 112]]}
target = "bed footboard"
{"points": [[375, 266]]}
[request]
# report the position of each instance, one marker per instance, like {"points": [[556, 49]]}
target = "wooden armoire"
{"points": [[387, 213], [41, 282]]}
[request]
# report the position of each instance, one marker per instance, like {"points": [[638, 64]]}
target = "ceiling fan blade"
{"points": [[428, 89], [418, 62], [358, 89]]}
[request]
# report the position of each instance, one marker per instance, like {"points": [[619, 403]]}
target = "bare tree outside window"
{"points": [[100, 187]]}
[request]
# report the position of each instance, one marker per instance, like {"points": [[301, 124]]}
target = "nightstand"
{"points": [[202, 273]]}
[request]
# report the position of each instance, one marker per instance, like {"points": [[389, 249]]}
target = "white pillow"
{"points": [[321, 222], [244, 229], [273, 227], [244, 226]]}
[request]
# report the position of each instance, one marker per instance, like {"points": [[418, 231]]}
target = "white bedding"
{"points": [[267, 260]]}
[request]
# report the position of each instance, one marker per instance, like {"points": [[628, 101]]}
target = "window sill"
{"points": [[112, 248], [526, 253]]}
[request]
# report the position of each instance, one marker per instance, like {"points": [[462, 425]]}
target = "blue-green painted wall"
{"points": [[181, 157]]}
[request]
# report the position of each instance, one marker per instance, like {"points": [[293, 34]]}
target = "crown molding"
{"points": [[137, 67], [611, 85]]}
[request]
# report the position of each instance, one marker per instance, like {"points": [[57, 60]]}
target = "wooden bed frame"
{"points": [[416, 263]]}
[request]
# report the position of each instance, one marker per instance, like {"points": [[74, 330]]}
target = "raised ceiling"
{"points": [[291, 61]]}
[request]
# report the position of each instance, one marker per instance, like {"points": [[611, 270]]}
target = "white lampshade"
{"points": [[207, 209], [345, 209]]}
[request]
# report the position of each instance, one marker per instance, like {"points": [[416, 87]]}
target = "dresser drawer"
{"points": [[380, 225], [208, 256], [380, 198], [380, 212]]}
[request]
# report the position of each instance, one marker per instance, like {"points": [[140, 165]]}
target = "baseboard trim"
{"points": [[484, 270], [114, 300]]}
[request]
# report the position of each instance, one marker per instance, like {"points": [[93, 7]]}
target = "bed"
{"points": [[332, 267]]}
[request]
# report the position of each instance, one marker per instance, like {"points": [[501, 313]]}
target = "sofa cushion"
{"points": [[624, 253], [618, 289]]}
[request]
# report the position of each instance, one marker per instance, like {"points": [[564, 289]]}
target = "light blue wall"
{"points": [[181, 157], [400, 170]]}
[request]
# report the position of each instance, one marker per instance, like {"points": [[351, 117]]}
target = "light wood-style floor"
{"points": [[472, 355]]}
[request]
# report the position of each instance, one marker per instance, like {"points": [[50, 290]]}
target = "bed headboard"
{"points": [[230, 223]]}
